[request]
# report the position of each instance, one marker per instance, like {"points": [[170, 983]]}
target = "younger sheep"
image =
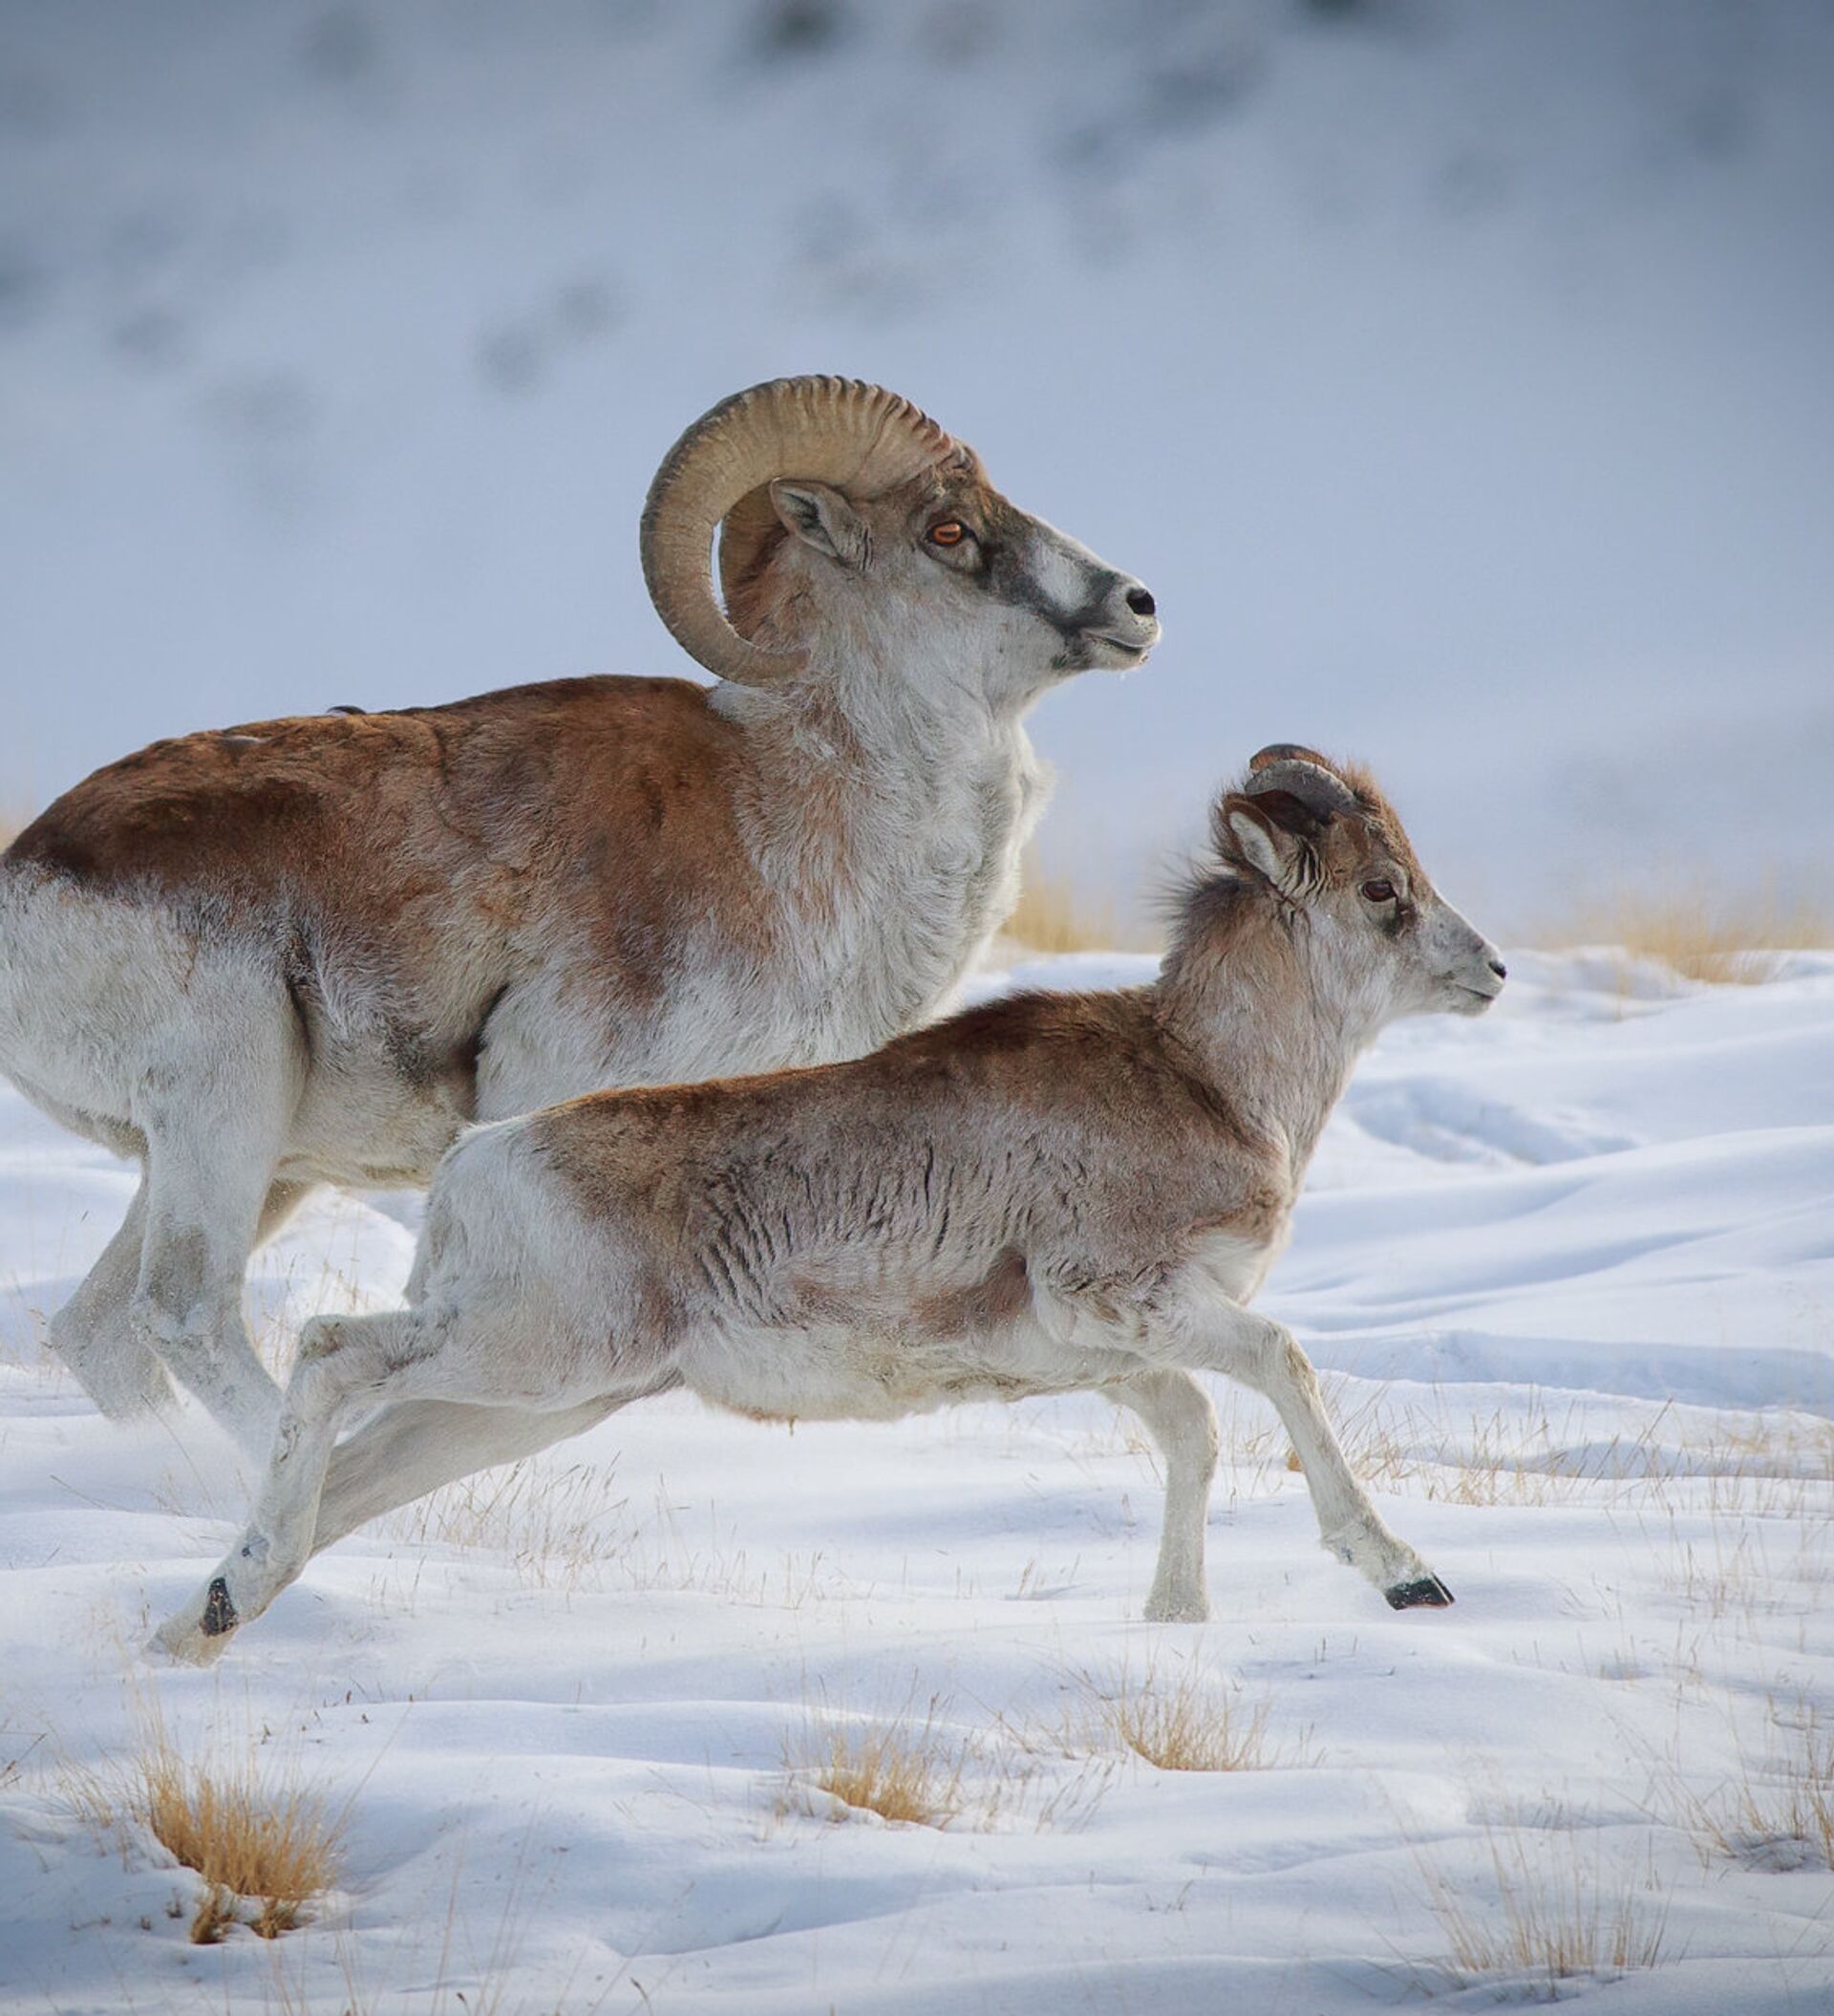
{"points": [[1050, 1193]]}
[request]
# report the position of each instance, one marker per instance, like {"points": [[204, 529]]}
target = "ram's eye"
{"points": [[951, 531], [1379, 892]]}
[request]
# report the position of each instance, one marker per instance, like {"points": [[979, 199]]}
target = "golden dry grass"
{"points": [[1549, 1451], [558, 1528], [1055, 916], [1188, 1725], [1560, 1912], [906, 1769], [264, 1851], [1717, 939], [274, 1845], [1777, 1812], [929, 1769]]}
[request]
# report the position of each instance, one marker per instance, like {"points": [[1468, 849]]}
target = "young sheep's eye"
{"points": [[1379, 892], [951, 531]]}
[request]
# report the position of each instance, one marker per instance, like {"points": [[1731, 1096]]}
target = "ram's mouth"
{"points": [[1131, 652]]}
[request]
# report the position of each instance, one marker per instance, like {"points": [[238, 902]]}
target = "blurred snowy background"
{"points": [[1460, 377]]}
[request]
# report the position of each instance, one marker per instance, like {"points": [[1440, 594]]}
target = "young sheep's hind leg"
{"points": [[416, 1445], [342, 1361], [1181, 1421]]}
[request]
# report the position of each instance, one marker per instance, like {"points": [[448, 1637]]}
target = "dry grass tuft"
{"points": [[1724, 941], [1559, 1914], [1190, 1725], [1055, 916], [245, 1840], [905, 1770], [1779, 1812], [264, 1852], [1553, 1450], [557, 1528], [922, 1770]]}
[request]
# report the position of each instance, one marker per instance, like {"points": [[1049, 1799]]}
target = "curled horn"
{"points": [[858, 438], [1302, 774]]}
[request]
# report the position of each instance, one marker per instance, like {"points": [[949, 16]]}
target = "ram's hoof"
{"points": [[1427, 1592], [220, 1617]]}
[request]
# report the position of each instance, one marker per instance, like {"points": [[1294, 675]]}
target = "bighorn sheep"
{"points": [[1048, 1193], [310, 950]]}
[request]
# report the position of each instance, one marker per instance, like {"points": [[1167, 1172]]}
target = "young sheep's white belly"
{"points": [[830, 1372]]}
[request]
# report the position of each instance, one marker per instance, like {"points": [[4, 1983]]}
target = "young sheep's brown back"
{"points": [[1049, 1129]]}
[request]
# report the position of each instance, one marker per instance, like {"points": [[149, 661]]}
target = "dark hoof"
{"points": [[219, 1613], [1428, 1593]]}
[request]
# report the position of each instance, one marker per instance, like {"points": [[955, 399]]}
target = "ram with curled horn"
{"points": [[310, 950]]}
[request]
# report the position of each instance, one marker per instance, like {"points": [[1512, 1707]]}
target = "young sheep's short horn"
{"points": [[1282, 766], [1286, 752]]}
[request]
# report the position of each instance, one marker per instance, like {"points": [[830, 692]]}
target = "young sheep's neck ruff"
{"points": [[1277, 1023]]}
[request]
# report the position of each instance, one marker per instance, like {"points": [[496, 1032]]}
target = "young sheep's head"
{"points": [[855, 531], [1324, 843]]}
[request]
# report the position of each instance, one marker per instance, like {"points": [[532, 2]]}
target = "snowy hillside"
{"points": [[1455, 373], [1570, 1269]]}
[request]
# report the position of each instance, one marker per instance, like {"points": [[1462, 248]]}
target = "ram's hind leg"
{"points": [[94, 1334], [215, 1126]]}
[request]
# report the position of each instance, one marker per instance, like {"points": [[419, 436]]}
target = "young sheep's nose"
{"points": [[1140, 601], [1500, 970]]}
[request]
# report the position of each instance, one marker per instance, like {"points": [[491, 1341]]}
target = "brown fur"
{"points": [[686, 1161], [417, 841]]}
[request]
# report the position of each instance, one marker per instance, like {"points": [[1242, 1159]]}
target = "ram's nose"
{"points": [[1132, 614]]}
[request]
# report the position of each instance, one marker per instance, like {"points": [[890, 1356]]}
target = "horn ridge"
{"points": [[855, 435], [1288, 752], [1304, 775]]}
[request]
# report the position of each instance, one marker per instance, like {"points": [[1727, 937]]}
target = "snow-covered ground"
{"points": [[1571, 1272]]}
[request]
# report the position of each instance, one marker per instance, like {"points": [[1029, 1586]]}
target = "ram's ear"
{"points": [[823, 518], [1251, 833]]}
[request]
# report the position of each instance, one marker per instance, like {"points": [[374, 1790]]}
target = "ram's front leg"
{"points": [[1221, 1336]]}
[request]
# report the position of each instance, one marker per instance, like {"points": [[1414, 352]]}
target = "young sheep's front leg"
{"points": [[340, 1358], [1227, 1338], [1180, 1418]]}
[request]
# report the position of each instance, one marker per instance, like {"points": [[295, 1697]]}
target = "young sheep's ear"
{"points": [[824, 519], [1251, 833]]}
